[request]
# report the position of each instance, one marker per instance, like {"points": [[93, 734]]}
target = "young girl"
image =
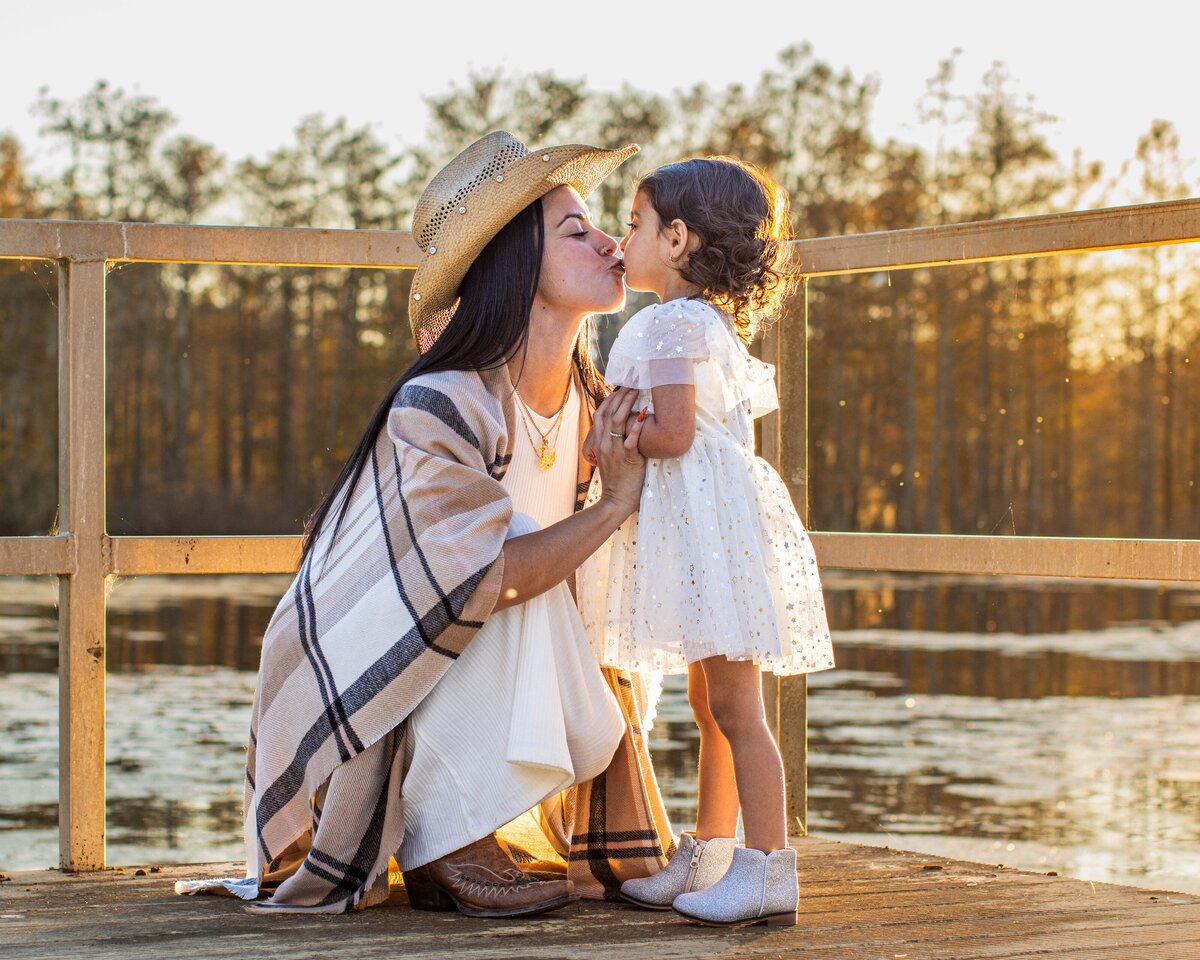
{"points": [[715, 575]]}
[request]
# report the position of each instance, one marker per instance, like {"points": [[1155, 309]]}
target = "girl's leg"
{"points": [[734, 691], [718, 795], [702, 858]]}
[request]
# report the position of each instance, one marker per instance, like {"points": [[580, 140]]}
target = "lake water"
{"points": [[1045, 725]]}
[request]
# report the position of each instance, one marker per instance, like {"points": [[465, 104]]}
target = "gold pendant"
{"points": [[545, 459]]}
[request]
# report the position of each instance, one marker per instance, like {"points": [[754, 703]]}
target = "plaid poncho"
{"points": [[372, 620]]}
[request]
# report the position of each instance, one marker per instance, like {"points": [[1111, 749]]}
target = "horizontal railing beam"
{"points": [[178, 243], [1139, 225], [1077, 557], [1011, 556], [132, 556], [1142, 225], [35, 556]]}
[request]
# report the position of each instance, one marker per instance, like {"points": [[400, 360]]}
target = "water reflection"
{"points": [[983, 605], [1062, 733]]}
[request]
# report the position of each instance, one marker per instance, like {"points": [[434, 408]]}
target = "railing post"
{"points": [[768, 449], [792, 692], [81, 604]]}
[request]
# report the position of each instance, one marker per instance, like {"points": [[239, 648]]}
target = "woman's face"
{"points": [[580, 271]]}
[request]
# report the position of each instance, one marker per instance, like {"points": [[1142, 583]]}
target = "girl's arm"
{"points": [[668, 432]]}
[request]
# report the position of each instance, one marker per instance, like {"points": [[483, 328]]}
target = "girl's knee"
{"points": [[703, 716], [736, 716]]}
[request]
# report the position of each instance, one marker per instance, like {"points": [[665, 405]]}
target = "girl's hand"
{"points": [[615, 437]]}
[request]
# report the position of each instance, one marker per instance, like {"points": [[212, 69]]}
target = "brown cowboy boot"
{"points": [[480, 880], [532, 864]]}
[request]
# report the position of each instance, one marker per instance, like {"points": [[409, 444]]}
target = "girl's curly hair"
{"points": [[740, 216]]}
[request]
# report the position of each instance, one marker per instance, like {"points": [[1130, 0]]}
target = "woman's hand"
{"points": [[591, 439], [589, 445], [614, 439], [535, 562]]}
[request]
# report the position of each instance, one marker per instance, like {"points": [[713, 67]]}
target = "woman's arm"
{"points": [[535, 562], [669, 431]]}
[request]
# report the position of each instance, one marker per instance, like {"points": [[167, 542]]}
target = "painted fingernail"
{"points": [[642, 415]]}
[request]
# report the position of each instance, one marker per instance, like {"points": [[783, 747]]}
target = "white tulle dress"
{"points": [[716, 562]]}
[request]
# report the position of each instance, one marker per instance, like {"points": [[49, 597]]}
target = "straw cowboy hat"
{"points": [[473, 197]]}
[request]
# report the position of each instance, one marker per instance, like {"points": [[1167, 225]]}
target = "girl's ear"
{"points": [[683, 241]]}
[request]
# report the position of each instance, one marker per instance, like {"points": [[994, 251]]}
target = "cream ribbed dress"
{"points": [[524, 712]]}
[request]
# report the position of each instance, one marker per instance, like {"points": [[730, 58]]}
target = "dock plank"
{"points": [[858, 903]]}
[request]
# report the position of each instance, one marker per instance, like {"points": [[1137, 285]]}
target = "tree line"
{"points": [[1049, 397]]}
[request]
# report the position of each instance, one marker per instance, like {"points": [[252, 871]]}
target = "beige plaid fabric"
{"points": [[618, 824], [371, 621]]}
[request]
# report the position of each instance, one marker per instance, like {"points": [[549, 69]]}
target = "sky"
{"points": [[241, 75]]}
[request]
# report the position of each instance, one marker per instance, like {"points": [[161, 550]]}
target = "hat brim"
{"points": [[492, 205]]}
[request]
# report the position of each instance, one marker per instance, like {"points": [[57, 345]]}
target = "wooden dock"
{"points": [[857, 903]]}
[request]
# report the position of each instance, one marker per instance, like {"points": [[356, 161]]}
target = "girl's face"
{"points": [[581, 273], [647, 249]]}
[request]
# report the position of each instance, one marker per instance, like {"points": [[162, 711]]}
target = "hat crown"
{"points": [[476, 165]]}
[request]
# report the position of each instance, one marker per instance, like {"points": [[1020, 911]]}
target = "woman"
{"points": [[427, 678]]}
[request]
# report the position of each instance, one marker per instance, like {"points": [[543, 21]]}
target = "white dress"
{"points": [[716, 562], [524, 712]]}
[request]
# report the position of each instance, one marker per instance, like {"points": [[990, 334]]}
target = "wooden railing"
{"points": [[83, 556]]}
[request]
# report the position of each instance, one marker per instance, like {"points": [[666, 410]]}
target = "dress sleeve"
{"points": [[744, 380], [660, 345], [760, 390]]}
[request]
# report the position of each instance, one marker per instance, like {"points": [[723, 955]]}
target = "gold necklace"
{"points": [[545, 456]]}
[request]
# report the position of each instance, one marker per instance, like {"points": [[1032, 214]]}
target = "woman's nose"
{"points": [[608, 245]]}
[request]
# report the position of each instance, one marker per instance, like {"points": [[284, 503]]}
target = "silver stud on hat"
{"points": [[433, 249], [462, 209], [546, 157], [499, 178], [416, 296]]}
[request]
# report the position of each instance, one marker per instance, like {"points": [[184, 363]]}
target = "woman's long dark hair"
{"points": [[490, 326]]}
